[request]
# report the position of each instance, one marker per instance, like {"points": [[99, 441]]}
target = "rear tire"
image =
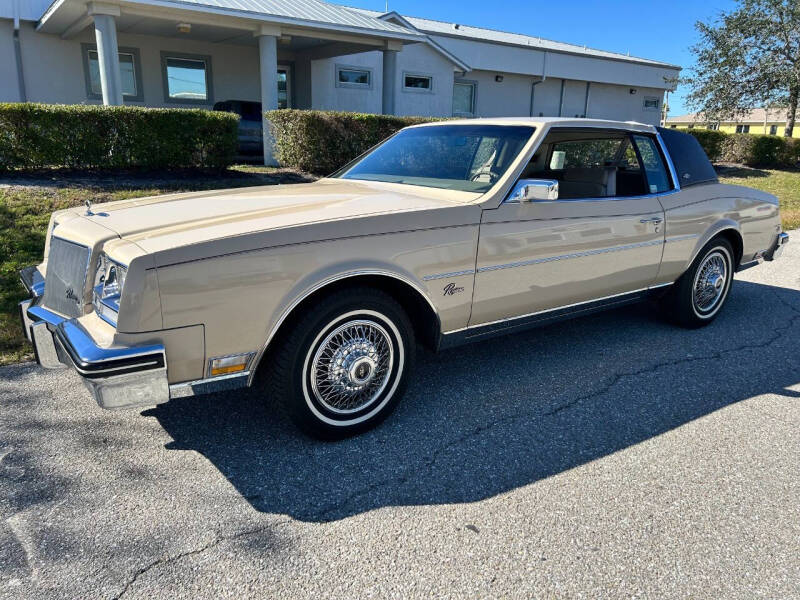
{"points": [[698, 296], [344, 366]]}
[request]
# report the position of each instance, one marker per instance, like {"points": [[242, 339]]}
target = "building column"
{"points": [[105, 32], [390, 77], [268, 66]]}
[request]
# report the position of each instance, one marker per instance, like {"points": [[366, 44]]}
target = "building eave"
{"points": [[394, 15]]}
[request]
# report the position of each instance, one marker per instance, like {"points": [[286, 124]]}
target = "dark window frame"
{"points": [[354, 86], [474, 84], [416, 90], [209, 99], [655, 108], [137, 72]]}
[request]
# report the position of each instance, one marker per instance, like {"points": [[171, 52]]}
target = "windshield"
{"points": [[469, 158]]}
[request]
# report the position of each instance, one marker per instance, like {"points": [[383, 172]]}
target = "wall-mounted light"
{"points": [[184, 27], [498, 78]]}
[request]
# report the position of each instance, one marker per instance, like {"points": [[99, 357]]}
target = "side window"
{"points": [[584, 154], [591, 164], [657, 178]]}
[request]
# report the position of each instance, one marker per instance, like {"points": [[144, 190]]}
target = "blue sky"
{"points": [[657, 30]]}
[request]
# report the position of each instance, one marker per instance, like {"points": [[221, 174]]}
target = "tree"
{"points": [[749, 57]]}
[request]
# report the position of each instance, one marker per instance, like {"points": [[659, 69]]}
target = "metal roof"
{"points": [[492, 35], [303, 12]]}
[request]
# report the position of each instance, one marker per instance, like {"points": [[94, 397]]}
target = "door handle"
{"points": [[655, 220]]}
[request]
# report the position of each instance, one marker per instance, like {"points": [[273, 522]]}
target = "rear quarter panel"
{"points": [[696, 214]]}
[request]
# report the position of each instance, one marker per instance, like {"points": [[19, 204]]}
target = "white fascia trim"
{"points": [[49, 12], [462, 66]]}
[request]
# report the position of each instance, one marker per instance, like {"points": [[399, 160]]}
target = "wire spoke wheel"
{"points": [[710, 282], [352, 366]]}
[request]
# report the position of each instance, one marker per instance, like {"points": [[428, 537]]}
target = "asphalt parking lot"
{"points": [[613, 455]]}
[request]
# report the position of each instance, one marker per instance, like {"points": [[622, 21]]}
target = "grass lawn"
{"points": [[26, 201]]}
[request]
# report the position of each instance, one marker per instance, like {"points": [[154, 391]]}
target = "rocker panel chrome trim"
{"points": [[557, 308]]}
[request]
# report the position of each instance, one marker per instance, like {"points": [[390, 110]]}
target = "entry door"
{"points": [[603, 237], [538, 256], [284, 87]]}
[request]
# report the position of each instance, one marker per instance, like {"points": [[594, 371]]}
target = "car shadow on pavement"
{"points": [[490, 417]]}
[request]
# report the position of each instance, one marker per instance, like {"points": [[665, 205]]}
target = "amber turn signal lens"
{"points": [[225, 365], [226, 370]]}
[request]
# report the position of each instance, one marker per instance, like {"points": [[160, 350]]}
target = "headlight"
{"points": [[109, 281]]}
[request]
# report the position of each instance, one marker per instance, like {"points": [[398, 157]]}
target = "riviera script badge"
{"points": [[451, 289]]}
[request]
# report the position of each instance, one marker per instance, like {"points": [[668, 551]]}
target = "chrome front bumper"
{"points": [[117, 377]]}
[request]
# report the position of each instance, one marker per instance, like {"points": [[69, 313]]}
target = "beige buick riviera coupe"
{"points": [[444, 234]]}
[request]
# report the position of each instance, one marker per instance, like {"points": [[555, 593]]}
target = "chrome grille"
{"points": [[65, 280]]}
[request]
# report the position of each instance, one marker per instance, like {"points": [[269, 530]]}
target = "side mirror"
{"points": [[531, 190]]}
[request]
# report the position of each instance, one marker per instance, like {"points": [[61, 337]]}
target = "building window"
{"points": [[129, 67], [651, 103], [187, 78], [673, 126], [353, 77], [743, 129], [413, 82], [773, 130], [691, 126], [713, 126], [464, 98]]}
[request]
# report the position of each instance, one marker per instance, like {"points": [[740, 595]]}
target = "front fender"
{"points": [[328, 275]]}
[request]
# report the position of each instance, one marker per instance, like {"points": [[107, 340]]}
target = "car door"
{"points": [[602, 238]]}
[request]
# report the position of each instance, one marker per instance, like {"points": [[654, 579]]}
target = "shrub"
{"points": [[760, 150], [323, 141], [710, 140], [737, 148], [103, 137]]}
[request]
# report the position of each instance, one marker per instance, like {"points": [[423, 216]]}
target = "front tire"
{"points": [[698, 296], [344, 366]]}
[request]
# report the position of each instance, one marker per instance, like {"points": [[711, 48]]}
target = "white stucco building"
{"points": [[309, 54]]}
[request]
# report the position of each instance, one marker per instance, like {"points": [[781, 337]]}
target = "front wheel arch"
{"points": [[424, 316]]}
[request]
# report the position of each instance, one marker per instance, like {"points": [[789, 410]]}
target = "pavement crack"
{"points": [[331, 511], [218, 539]]}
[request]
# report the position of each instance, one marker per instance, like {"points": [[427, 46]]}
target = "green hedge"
{"points": [[322, 141], [103, 137], [749, 149]]}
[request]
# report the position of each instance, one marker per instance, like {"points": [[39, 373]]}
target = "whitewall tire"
{"points": [[344, 366]]}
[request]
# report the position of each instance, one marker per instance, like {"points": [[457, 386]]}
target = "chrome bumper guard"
{"points": [[119, 377], [777, 249]]}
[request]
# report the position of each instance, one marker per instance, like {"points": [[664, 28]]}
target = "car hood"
{"points": [[162, 223]]}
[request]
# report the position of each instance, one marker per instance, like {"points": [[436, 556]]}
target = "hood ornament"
{"points": [[88, 204]]}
